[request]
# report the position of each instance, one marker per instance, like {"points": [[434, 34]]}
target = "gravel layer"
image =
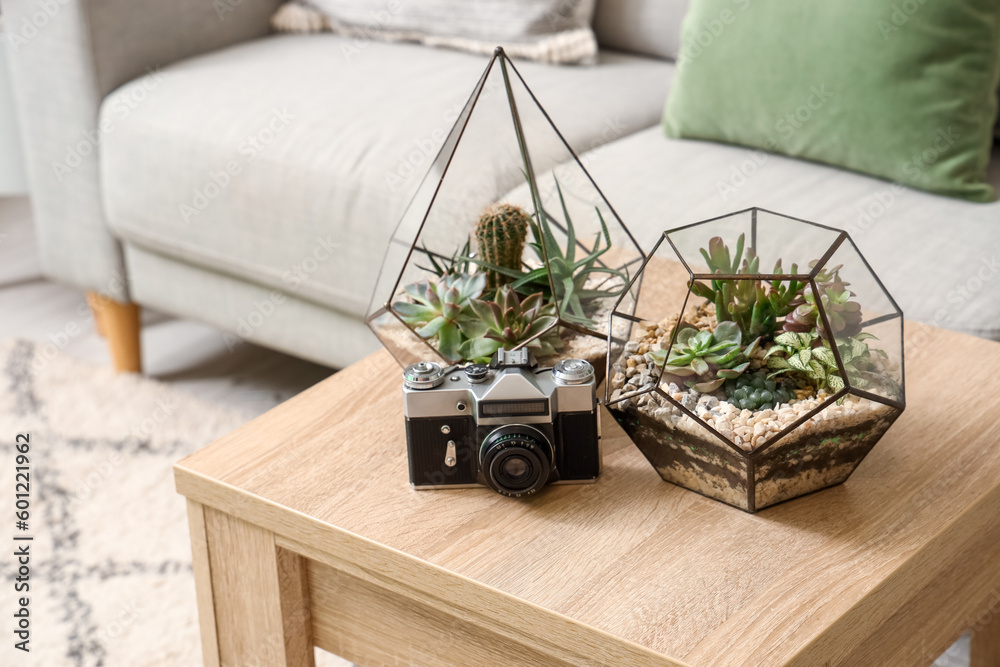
{"points": [[820, 451]]}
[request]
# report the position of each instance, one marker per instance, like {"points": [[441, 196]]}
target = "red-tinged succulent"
{"points": [[843, 314], [508, 321]]}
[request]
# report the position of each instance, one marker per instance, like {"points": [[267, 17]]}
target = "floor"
{"points": [[188, 355]]}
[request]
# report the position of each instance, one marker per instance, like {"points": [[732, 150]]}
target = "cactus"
{"points": [[500, 234], [562, 269]]}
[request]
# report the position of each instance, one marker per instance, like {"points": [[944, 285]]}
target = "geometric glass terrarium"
{"points": [[507, 242], [762, 361]]}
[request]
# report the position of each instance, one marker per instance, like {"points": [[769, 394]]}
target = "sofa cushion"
{"points": [[649, 27], [939, 257], [284, 162], [553, 31], [908, 96]]}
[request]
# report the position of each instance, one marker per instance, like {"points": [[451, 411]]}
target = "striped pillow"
{"points": [[552, 31]]}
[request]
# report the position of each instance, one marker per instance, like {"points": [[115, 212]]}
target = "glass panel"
{"points": [[686, 453], [498, 258], [747, 369], [692, 239], [590, 254], [821, 452], [865, 322], [796, 243], [635, 363]]}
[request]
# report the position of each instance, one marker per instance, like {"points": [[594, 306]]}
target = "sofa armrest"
{"points": [[66, 56]]}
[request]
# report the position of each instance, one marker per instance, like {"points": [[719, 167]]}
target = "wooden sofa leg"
{"points": [[119, 324]]}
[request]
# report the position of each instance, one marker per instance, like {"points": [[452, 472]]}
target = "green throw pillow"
{"points": [[901, 89]]}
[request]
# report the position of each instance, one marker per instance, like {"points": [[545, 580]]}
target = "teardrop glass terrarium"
{"points": [[763, 361], [541, 266]]}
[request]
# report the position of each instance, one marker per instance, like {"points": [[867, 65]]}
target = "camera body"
{"points": [[508, 425]]}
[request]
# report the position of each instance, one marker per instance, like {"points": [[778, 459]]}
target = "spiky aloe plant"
{"points": [[751, 303], [702, 360], [500, 235], [456, 265], [508, 321], [440, 308]]}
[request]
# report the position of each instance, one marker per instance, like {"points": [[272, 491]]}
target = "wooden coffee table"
{"points": [[305, 532]]}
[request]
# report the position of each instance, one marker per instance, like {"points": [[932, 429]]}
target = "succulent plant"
{"points": [[701, 359], [758, 391], [500, 235], [809, 355], [843, 314], [806, 354], [440, 309], [753, 304], [508, 321], [560, 267]]}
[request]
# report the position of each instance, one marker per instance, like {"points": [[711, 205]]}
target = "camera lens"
{"points": [[515, 468], [516, 460]]}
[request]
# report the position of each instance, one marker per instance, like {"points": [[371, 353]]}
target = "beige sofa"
{"points": [[196, 163]]}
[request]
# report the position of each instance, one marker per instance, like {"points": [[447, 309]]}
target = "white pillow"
{"points": [[552, 31]]}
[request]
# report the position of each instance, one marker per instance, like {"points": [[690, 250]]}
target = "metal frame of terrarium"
{"points": [[381, 303], [751, 457]]}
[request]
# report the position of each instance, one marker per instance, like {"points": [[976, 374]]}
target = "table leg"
{"points": [[252, 595], [984, 649]]}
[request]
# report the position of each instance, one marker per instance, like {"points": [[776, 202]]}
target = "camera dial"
{"points": [[423, 375], [477, 373], [516, 460], [573, 371]]}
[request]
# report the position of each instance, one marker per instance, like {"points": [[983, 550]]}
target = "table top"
{"points": [[650, 570]]}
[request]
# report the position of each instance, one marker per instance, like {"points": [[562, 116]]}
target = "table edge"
{"points": [[381, 564]]}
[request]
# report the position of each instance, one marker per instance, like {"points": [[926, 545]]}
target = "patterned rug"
{"points": [[110, 578]]}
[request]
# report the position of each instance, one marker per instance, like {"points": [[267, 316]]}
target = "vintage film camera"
{"points": [[508, 425]]}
